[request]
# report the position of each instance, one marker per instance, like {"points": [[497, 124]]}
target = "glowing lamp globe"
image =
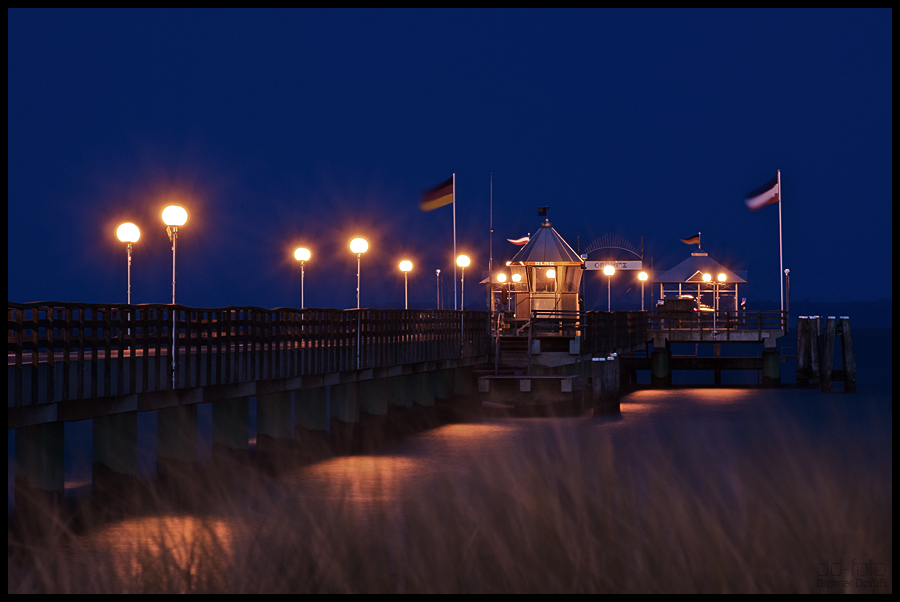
{"points": [[501, 277], [609, 270], [174, 215], [302, 254], [722, 277], [551, 273], [359, 245], [706, 277], [405, 265], [643, 276], [462, 261], [128, 232]]}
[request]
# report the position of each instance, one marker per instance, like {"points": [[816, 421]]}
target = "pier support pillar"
{"points": [[176, 434], [115, 446], [231, 423], [401, 394], [661, 367], [345, 402], [606, 384], [40, 459], [373, 396], [424, 395], [311, 409], [771, 368], [273, 421]]}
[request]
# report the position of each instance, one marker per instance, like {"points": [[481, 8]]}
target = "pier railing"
{"points": [[60, 351], [720, 321]]}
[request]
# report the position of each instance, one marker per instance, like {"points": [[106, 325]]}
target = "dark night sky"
{"points": [[278, 128]]}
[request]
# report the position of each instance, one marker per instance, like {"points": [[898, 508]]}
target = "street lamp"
{"points": [[462, 261], [174, 216], [128, 233], [302, 255], [405, 267], [609, 270], [358, 246], [643, 278]]}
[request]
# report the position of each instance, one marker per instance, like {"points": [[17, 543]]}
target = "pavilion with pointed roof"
{"points": [[701, 278], [549, 270]]}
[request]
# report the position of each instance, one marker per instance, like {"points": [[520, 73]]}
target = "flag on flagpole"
{"points": [[440, 195], [520, 241], [692, 240], [766, 194]]}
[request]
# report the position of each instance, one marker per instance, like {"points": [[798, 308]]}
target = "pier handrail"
{"points": [[64, 343], [721, 320]]}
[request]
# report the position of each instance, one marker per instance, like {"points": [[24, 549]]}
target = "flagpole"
{"points": [[455, 306], [780, 251], [491, 242]]}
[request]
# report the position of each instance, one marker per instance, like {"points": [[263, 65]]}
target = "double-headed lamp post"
{"points": [[462, 261], [358, 246], [609, 270], [405, 267], [302, 255], [128, 233], [643, 278], [174, 216]]}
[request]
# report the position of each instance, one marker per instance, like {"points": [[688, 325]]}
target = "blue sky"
{"points": [[278, 128]]}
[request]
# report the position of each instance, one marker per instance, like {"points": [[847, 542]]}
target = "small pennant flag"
{"points": [[542, 211], [766, 194], [520, 241], [440, 195], [692, 240]]}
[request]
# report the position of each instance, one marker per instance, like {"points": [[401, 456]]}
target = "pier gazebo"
{"points": [[701, 278]]}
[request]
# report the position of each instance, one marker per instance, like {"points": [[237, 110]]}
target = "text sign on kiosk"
{"points": [[619, 265]]}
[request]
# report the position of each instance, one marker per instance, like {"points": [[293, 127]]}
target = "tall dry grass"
{"points": [[563, 513]]}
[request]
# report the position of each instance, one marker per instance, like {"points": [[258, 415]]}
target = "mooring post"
{"points": [[827, 365], [848, 357], [803, 351], [815, 348]]}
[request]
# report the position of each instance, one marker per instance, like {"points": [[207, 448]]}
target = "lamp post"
{"points": [[173, 216], [405, 267], [462, 261], [302, 255], [720, 279], [437, 277], [609, 270], [358, 246], [128, 233], [643, 278]]}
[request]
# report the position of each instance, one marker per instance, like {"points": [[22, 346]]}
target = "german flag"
{"points": [[440, 195]]}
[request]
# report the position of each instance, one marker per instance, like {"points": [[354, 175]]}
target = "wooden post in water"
{"points": [[803, 347], [849, 359], [815, 348], [827, 356]]}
